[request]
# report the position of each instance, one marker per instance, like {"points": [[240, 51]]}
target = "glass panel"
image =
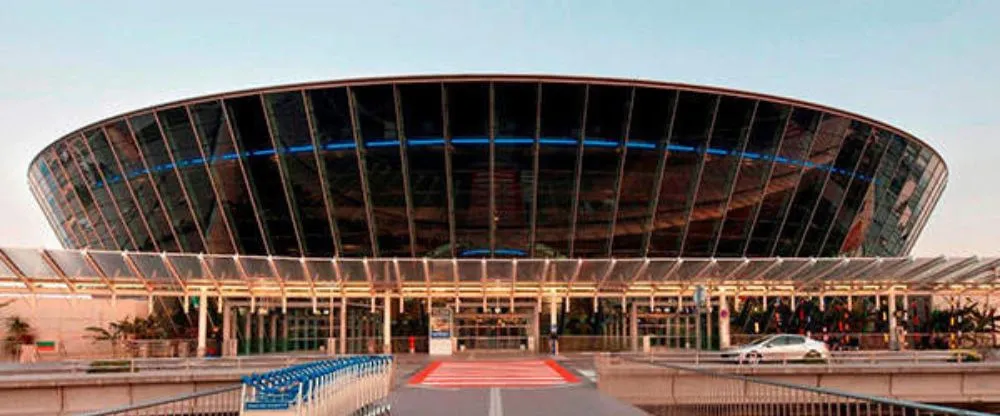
{"points": [[423, 126], [647, 142], [30, 262], [375, 108], [607, 114], [151, 266], [657, 270], [353, 271], [468, 126], [188, 267], [5, 271], [166, 179], [854, 215], [530, 270], [760, 158], [561, 128], [855, 145], [411, 271], [289, 270], [624, 271], [112, 265], [689, 139], [821, 159], [54, 189], [256, 267], [137, 184], [592, 271], [563, 270], [883, 201], [217, 145], [515, 112], [382, 271], [499, 270], [261, 164], [470, 270], [720, 164], [291, 133], [223, 268], [85, 197], [321, 271], [332, 123], [192, 166], [441, 270], [72, 263], [97, 153]]}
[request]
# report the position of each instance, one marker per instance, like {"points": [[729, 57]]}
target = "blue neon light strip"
{"points": [[477, 252], [498, 141]]}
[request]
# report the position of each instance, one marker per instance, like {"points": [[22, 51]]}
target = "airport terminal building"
{"points": [[482, 187]]}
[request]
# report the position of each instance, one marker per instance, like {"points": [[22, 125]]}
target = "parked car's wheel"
{"points": [[813, 356], [754, 358]]}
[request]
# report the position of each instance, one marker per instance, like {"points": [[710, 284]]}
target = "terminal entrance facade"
{"points": [[252, 305]]}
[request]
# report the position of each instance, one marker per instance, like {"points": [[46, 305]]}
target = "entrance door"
{"points": [[492, 331]]}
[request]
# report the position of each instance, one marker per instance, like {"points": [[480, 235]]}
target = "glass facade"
{"points": [[490, 167]]}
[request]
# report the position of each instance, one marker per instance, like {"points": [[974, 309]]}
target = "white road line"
{"points": [[496, 405]]}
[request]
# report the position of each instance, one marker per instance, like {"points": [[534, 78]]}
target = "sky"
{"points": [[930, 67]]}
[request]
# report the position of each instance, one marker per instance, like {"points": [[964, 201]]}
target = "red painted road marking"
{"points": [[476, 374]]}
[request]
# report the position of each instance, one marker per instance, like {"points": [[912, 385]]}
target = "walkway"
{"points": [[496, 387]]}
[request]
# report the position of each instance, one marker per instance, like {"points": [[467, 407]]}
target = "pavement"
{"points": [[499, 385]]}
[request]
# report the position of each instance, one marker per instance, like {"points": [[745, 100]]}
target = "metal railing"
{"points": [[224, 401], [734, 394], [507, 343], [881, 340], [836, 358]]}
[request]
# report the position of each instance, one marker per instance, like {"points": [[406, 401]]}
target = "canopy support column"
{"points": [[343, 325], [633, 326], [387, 324], [893, 335], [202, 322], [724, 337]]}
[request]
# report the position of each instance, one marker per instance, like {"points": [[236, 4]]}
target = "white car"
{"points": [[779, 348]]}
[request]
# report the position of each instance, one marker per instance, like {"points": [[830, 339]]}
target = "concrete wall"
{"points": [[641, 384], [63, 320]]}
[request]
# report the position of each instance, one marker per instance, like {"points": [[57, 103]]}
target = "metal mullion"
{"points": [[177, 277], [736, 176], [693, 199], [49, 216], [661, 168], [180, 180], [833, 223], [107, 189], [788, 204], [536, 147], [62, 169], [138, 274], [323, 180], [623, 147], [243, 275], [491, 134], [919, 226], [73, 230], [223, 211], [895, 171], [449, 181], [250, 188], [152, 184], [822, 191], [293, 212], [405, 169], [83, 178], [281, 280], [359, 148], [574, 210]]}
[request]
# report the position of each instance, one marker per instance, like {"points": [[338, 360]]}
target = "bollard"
{"points": [[413, 344]]}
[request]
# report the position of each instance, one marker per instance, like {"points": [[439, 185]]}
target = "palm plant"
{"points": [[18, 333]]}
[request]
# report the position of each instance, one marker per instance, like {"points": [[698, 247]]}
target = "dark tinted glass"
{"points": [[252, 137], [333, 130], [854, 214], [165, 181], [117, 184], [78, 196], [294, 143], [689, 139], [515, 113], [423, 126], [561, 128], [97, 199], [607, 117], [200, 190], [375, 108], [228, 174], [468, 120], [721, 160]]}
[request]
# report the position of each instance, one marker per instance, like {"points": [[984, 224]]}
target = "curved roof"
{"points": [[510, 78]]}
